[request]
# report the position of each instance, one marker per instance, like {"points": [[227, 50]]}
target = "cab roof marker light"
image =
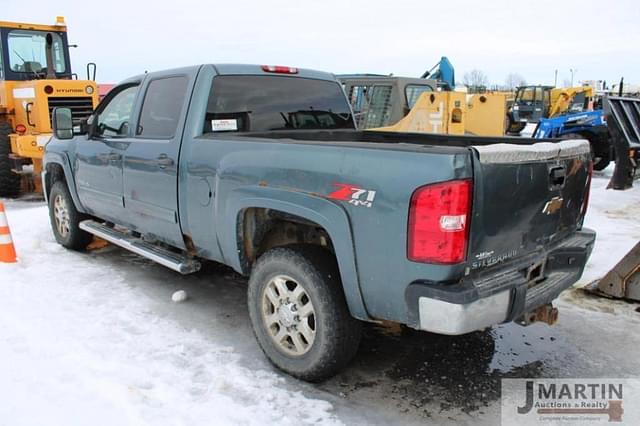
{"points": [[279, 69]]}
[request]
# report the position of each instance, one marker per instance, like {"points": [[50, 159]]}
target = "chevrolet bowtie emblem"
{"points": [[553, 205]]}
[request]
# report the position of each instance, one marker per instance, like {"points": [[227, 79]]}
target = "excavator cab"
{"points": [[35, 78]]}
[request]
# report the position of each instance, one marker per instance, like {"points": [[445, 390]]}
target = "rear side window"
{"points": [[413, 92], [256, 103], [161, 108]]}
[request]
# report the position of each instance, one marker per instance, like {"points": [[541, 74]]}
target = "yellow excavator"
{"points": [[35, 78]]}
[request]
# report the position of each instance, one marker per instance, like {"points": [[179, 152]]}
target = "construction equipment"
{"points": [[589, 125], [379, 100], [454, 113], [35, 78], [424, 104], [623, 281], [487, 113], [613, 133], [444, 73], [623, 122], [436, 112], [532, 103]]}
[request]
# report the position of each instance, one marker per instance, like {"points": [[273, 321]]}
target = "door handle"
{"points": [[557, 175], [164, 161], [112, 156]]}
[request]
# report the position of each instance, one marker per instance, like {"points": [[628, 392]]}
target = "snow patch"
{"points": [[179, 296], [79, 345]]}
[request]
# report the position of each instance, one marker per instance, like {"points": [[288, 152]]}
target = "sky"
{"points": [[597, 39]]}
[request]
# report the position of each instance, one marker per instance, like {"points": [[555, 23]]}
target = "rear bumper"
{"points": [[500, 294]]}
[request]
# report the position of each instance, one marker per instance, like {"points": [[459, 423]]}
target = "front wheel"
{"points": [[299, 314], [9, 181], [65, 219]]}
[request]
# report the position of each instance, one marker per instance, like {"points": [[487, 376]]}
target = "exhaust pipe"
{"points": [[545, 313], [51, 72]]}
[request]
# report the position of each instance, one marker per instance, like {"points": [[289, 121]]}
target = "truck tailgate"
{"points": [[526, 198]]}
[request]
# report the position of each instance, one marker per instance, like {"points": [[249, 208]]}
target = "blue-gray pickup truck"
{"points": [[262, 168]]}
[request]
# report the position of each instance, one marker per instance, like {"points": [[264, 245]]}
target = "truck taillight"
{"points": [[279, 69], [439, 222]]}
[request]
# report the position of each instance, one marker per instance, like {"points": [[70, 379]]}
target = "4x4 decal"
{"points": [[353, 194]]}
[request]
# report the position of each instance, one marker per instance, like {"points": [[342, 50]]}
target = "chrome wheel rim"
{"points": [[288, 315], [61, 216]]}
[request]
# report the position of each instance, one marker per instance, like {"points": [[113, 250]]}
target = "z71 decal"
{"points": [[353, 194]]}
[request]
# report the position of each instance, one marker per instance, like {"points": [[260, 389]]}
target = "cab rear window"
{"points": [[255, 103]]}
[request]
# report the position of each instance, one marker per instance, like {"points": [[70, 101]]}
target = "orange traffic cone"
{"points": [[7, 250]]}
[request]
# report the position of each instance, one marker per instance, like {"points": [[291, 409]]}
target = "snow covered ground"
{"points": [[80, 344], [94, 338]]}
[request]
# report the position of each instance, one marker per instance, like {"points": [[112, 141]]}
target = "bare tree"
{"points": [[475, 77], [514, 80], [475, 80]]}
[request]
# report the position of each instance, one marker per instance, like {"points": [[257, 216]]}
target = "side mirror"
{"points": [[62, 123], [90, 126]]}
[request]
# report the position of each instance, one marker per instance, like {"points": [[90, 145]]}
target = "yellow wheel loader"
{"points": [[35, 78]]}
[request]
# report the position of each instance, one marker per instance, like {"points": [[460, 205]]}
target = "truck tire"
{"points": [[599, 150], [65, 219], [9, 181], [513, 127], [299, 313]]}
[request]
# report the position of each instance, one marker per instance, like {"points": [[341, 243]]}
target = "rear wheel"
{"points": [[299, 314], [514, 127], [9, 181], [599, 149], [65, 219]]}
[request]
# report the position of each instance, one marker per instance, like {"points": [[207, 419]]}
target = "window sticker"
{"points": [[224, 125]]}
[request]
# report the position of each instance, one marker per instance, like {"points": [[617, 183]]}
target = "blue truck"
{"points": [[262, 168]]}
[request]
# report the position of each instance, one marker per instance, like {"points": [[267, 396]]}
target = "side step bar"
{"points": [[171, 260]]}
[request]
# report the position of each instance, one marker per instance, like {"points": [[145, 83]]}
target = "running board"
{"points": [[175, 261]]}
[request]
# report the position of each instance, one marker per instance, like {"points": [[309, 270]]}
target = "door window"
{"points": [[527, 94], [161, 108], [114, 118]]}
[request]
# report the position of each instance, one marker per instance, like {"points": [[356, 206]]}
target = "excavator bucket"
{"points": [[623, 281], [623, 122]]}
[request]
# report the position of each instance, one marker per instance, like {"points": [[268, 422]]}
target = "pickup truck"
{"points": [[262, 168]]}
